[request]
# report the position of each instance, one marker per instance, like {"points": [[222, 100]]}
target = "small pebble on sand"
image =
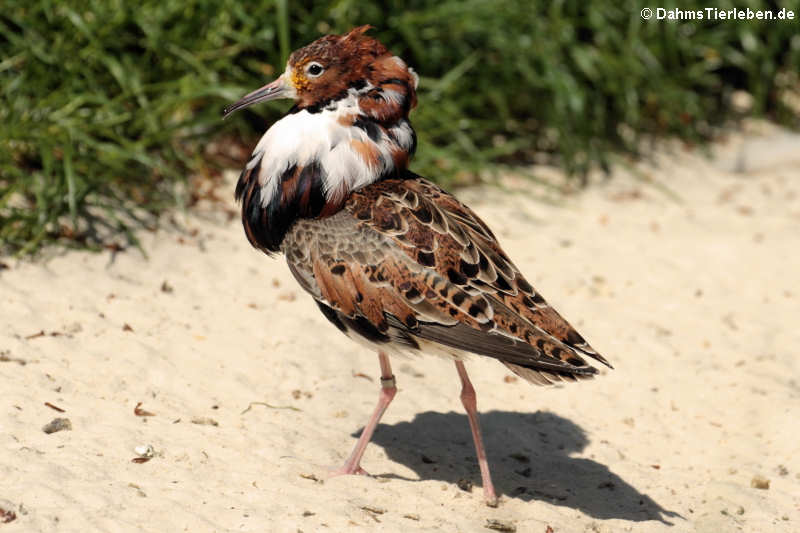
{"points": [[57, 424]]}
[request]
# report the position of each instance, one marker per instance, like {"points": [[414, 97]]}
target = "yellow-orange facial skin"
{"points": [[298, 78]]}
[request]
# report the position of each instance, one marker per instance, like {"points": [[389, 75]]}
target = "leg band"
{"points": [[388, 383]]}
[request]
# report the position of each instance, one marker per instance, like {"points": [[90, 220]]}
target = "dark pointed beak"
{"points": [[277, 89]]}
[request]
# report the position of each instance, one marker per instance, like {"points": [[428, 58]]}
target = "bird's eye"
{"points": [[314, 69]]}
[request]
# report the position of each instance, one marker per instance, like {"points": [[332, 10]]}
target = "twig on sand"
{"points": [[270, 406]]}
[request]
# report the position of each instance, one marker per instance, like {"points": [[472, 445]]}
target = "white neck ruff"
{"points": [[325, 137]]}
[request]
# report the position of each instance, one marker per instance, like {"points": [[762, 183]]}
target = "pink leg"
{"points": [[388, 390], [470, 402]]}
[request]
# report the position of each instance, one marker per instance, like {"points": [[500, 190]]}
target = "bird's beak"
{"points": [[279, 88]]}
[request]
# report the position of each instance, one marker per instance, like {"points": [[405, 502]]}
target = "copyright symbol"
{"points": [[647, 13]]}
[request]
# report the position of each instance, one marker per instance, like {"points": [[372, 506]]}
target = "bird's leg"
{"points": [[388, 390], [470, 402]]}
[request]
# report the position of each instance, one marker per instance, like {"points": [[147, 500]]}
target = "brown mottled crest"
{"points": [[349, 47]]}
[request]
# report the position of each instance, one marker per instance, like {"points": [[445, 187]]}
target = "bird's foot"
{"points": [[348, 470], [489, 495], [491, 500]]}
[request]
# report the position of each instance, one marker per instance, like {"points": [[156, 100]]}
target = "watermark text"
{"points": [[715, 13]]}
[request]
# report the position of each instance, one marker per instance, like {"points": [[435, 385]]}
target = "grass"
{"points": [[108, 108]]}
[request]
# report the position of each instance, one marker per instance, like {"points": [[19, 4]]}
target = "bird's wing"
{"points": [[407, 260]]}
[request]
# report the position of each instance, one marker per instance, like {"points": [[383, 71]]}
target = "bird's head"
{"points": [[325, 71]]}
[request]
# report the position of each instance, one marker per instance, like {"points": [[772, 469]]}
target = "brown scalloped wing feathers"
{"points": [[407, 249]]}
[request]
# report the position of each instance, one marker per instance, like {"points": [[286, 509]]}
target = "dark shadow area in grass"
{"points": [[530, 456]]}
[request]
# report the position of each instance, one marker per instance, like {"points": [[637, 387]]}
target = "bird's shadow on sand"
{"points": [[529, 456]]}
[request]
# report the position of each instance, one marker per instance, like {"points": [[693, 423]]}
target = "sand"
{"points": [[694, 298]]}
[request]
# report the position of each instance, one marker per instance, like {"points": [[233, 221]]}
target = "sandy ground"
{"points": [[695, 300]]}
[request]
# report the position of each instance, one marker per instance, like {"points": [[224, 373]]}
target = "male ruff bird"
{"points": [[392, 260]]}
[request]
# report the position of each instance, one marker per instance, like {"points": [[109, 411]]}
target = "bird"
{"points": [[394, 261]]}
